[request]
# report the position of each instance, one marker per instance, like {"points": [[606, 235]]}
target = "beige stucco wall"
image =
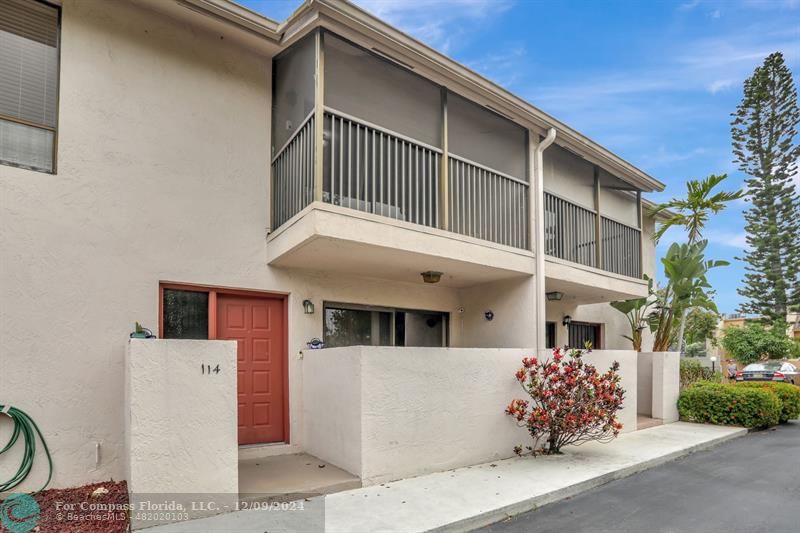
{"points": [[413, 411], [511, 301], [180, 437], [666, 385]]}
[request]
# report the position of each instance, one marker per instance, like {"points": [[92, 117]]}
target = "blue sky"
{"points": [[654, 81]]}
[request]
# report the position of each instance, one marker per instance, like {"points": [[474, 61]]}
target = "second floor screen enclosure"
{"points": [[383, 128]]}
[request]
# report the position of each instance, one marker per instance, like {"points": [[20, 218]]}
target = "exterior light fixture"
{"points": [[554, 296], [489, 315], [567, 320], [431, 276], [308, 307]]}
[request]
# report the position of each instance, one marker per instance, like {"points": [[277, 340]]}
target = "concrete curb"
{"points": [[501, 513]]}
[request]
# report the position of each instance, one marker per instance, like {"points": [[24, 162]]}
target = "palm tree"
{"points": [[692, 213], [685, 267]]}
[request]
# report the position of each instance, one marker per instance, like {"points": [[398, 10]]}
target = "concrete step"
{"points": [[291, 477]]}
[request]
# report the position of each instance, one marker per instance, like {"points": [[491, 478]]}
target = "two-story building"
{"points": [[212, 174]]}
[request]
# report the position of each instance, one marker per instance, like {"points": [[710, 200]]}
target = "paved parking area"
{"points": [[747, 485]]}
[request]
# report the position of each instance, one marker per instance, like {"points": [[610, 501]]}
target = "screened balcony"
{"points": [[590, 217], [394, 145], [397, 146]]}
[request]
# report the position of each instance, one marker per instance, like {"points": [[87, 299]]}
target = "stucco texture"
{"points": [[411, 411], [180, 429]]}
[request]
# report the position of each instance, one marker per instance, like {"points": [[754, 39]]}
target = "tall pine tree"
{"points": [[763, 130]]}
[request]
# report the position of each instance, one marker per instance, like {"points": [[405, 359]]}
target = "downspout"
{"points": [[538, 241]]}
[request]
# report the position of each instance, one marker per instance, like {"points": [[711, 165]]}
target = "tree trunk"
{"points": [[682, 329]]}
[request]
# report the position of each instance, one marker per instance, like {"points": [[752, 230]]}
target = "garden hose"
{"points": [[25, 426]]}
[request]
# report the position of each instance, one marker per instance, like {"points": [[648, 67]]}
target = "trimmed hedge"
{"points": [[788, 394], [729, 405]]}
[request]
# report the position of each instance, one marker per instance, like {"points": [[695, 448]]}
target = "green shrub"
{"points": [[788, 394], [729, 405], [693, 371], [794, 352]]}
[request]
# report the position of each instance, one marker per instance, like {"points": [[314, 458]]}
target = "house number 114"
{"points": [[206, 369]]}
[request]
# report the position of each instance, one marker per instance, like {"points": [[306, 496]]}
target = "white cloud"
{"points": [[736, 240], [663, 157], [437, 23], [501, 67], [720, 85], [688, 6]]}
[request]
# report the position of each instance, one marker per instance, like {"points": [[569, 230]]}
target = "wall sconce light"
{"points": [[489, 315], [308, 307], [554, 296], [567, 320], [431, 276]]}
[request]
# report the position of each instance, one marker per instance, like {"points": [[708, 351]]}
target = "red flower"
{"points": [[568, 399]]}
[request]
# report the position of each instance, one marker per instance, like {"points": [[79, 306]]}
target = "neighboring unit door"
{"points": [[257, 325]]}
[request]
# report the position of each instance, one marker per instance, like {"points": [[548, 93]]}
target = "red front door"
{"points": [[257, 325]]}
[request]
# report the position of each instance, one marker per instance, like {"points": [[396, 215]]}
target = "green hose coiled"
{"points": [[25, 426]]}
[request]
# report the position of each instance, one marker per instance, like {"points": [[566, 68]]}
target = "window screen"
{"points": [[482, 136], [185, 314], [363, 85], [28, 83]]}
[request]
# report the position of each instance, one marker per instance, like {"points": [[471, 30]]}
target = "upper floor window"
{"points": [[28, 83]]}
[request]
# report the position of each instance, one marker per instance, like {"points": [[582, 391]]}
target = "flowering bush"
{"points": [[570, 402]]}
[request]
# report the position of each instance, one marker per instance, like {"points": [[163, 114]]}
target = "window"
{"points": [[357, 325], [29, 36], [580, 333], [185, 314], [550, 335]]}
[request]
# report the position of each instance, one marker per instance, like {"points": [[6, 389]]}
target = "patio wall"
{"points": [[180, 421], [659, 385], [386, 413]]}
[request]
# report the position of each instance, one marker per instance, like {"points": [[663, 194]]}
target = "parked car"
{"points": [[769, 371]]}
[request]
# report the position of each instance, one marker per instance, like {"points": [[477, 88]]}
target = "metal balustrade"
{"points": [[487, 204], [621, 248], [372, 169], [570, 231], [293, 174], [375, 170]]}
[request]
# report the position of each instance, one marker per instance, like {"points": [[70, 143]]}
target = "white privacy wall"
{"points": [[666, 385], [180, 419], [386, 413]]}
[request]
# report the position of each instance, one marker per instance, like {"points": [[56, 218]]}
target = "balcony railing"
{"points": [[571, 234], [379, 171], [293, 174], [621, 248], [570, 231], [372, 169], [487, 204]]}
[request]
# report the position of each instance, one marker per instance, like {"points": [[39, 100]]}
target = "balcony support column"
{"points": [[536, 179], [639, 218], [444, 183], [598, 226], [319, 115]]}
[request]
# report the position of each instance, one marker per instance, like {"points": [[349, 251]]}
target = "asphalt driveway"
{"points": [[748, 485]]}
